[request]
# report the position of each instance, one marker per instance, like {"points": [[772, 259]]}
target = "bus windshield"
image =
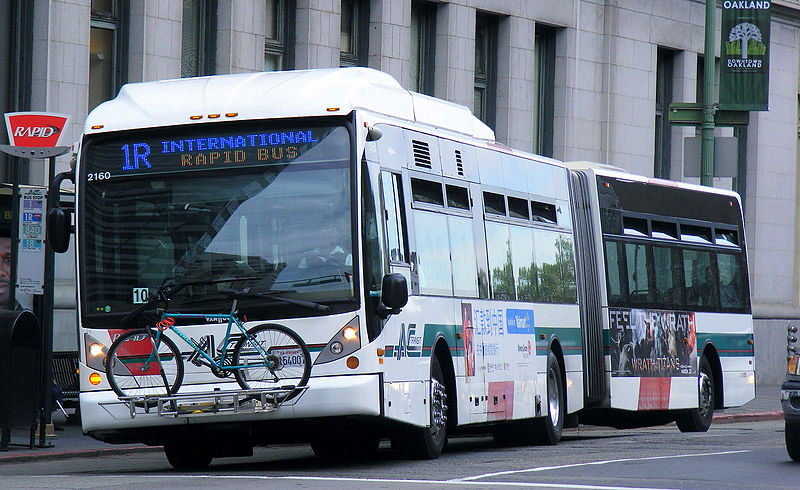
{"points": [[275, 216]]}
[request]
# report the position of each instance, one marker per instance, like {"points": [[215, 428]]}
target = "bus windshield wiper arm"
{"points": [[299, 302]]}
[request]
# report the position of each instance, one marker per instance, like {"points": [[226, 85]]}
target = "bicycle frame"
{"points": [[167, 323]]}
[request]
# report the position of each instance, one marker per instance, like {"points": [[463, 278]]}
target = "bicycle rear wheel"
{"points": [[272, 356], [134, 370]]}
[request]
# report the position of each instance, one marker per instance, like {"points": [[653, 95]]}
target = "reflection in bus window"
{"points": [[638, 277], [701, 289], [731, 285], [500, 273], [667, 275], [462, 247], [613, 273], [433, 253], [525, 271], [555, 260], [394, 232]]}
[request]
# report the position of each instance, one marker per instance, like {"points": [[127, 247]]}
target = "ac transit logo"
{"points": [[409, 344]]}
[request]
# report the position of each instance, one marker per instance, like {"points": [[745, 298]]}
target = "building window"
{"points": [[354, 33], [423, 35], [663, 136], [280, 22], [544, 90], [198, 37], [107, 48], [485, 68]]}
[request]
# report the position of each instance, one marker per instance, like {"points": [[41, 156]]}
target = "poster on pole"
{"points": [[30, 266], [744, 51]]}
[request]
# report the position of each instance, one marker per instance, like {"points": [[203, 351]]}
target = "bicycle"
{"points": [[145, 363]]}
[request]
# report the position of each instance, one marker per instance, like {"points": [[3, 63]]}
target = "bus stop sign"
{"points": [[35, 129]]}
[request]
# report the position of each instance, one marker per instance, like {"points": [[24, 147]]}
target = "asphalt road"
{"points": [[735, 455]]}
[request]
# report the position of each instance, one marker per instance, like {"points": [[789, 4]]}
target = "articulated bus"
{"points": [[536, 294]]}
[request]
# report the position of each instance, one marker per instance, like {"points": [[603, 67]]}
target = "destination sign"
{"points": [[159, 153]]}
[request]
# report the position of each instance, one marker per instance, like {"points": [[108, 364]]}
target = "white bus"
{"points": [[537, 293]]}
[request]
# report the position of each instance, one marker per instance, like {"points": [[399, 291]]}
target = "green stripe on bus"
{"points": [[569, 337], [451, 334], [728, 344]]}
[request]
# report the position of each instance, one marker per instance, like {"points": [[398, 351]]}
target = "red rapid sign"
{"points": [[35, 129]]}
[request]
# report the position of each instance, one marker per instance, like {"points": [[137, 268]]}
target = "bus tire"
{"points": [[699, 419], [428, 442], [548, 429], [187, 455], [792, 438]]}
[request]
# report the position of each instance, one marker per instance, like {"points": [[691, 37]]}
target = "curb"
{"points": [[49, 455], [724, 418]]}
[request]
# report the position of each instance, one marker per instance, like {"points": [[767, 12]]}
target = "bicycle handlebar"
{"points": [[167, 289]]}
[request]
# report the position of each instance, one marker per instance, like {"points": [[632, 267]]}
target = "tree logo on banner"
{"points": [[744, 40]]}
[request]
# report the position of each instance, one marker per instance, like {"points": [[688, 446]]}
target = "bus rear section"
{"points": [[674, 300]]}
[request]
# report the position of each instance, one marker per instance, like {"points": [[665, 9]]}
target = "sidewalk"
{"points": [[71, 443]]}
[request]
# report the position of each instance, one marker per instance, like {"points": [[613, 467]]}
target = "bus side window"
{"points": [[396, 242], [701, 285], [668, 277], [615, 273], [638, 273], [731, 287]]}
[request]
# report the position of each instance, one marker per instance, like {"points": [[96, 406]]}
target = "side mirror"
{"points": [[59, 228], [394, 294]]}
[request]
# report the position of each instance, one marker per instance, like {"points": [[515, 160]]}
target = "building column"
{"points": [[515, 88], [241, 30], [454, 68], [390, 38], [318, 27]]}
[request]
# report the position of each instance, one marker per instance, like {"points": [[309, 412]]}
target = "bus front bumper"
{"points": [[330, 396]]}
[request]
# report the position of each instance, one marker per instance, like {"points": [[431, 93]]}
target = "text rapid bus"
{"points": [[538, 292]]}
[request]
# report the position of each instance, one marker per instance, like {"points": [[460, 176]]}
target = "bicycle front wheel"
{"points": [[272, 356], [137, 365]]}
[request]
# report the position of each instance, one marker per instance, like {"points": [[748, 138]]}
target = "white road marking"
{"points": [[591, 463]]}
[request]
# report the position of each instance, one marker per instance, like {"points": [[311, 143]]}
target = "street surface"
{"points": [[730, 455]]}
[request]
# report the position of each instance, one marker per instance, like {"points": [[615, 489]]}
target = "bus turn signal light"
{"points": [[95, 379], [352, 362]]}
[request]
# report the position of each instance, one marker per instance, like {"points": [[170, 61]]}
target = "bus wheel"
{"points": [[699, 419], [792, 437], [549, 428], [187, 455], [428, 442]]}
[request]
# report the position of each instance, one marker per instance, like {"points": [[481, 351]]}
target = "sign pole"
{"points": [[47, 318], [707, 131]]}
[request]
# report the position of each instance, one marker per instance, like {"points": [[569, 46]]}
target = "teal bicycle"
{"points": [[144, 364]]}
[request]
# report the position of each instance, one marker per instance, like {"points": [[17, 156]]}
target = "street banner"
{"points": [[35, 129], [744, 69]]}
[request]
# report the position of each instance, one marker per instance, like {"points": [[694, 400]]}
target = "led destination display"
{"points": [[148, 152]]}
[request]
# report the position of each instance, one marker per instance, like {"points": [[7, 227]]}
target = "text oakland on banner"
{"points": [[744, 70]]}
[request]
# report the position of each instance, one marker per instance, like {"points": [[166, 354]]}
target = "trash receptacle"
{"points": [[20, 371]]}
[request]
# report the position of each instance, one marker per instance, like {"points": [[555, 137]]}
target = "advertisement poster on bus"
{"points": [[652, 343]]}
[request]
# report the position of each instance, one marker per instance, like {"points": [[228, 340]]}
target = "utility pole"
{"points": [[707, 131]]}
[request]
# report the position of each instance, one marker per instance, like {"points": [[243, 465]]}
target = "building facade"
{"points": [[571, 79]]}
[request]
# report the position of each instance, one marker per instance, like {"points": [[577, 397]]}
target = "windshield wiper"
{"points": [[169, 287], [299, 302]]}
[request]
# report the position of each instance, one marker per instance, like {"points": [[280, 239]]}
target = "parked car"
{"points": [[790, 397]]}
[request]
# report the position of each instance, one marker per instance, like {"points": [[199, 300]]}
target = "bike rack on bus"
{"points": [[235, 401]]}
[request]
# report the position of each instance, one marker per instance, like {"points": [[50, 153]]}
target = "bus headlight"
{"points": [[95, 353], [345, 342]]}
